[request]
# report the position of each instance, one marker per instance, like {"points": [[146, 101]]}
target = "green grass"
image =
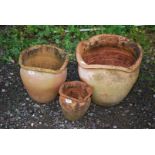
{"points": [[13, 39]]}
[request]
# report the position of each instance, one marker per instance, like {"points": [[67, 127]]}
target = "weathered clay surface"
{"points": [[110, 64], [43, 57], [74, 99], [109, 56], [43, 70]]}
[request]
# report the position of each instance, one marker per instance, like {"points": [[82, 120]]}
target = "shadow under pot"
{"points": [[43, 70], [74, 99], [110, 64]]}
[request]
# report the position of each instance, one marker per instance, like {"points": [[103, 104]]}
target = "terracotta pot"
{"points": [[43, 70], [75, 99], [110, 64]]}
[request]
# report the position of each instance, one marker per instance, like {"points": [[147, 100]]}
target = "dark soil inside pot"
{"points": [[109, 56], [46, 58], [75, 92]]}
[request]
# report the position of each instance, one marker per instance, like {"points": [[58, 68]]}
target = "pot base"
{"points": [[42, 87], [73, 115]]}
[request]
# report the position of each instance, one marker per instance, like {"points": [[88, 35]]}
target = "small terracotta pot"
{"points": [[110, 64], [43, 70], [74, 99]]}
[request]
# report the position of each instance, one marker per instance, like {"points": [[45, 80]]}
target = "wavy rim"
{"points": [[63, 67], [88, 89], [83, 64]]}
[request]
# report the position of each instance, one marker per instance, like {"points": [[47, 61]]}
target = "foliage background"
{"points": [[13, 39]]}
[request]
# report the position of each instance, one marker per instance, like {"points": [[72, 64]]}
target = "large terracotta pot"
{"points": [[43, 70], [110, 64], [74, 99]]}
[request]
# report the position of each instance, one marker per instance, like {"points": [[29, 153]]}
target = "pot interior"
{"points": [[109, 55], [46, 57], [75, 90]]}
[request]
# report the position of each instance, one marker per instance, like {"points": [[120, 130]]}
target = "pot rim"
{"points": [[88, 89], [83, 64], [63, 67]]}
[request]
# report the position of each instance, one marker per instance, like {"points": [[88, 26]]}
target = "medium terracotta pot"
{"points": [[110, 64], [43, 70], [75, 99]]}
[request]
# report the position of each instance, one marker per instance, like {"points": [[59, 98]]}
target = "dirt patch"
{"points": [[18, 110], [109, 56]]}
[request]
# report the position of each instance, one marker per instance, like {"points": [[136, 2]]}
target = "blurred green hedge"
{"points": [[13, 39]]}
